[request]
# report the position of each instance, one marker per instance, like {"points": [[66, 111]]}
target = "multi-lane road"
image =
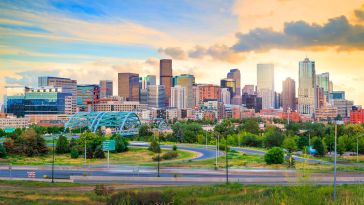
{"points": [[175, 176]]}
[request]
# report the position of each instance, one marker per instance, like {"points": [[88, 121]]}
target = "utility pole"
{"points": [[53, 163], [335, 154], [226, 161], [159, 144]]}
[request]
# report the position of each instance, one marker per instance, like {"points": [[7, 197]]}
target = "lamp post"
{"points": [[53, 162], [336, 124], [357, 147], [217, 149], [226, 161], [159, 145]]}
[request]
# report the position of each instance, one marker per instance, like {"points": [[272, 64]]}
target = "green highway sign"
{"points": [[108, 145]]}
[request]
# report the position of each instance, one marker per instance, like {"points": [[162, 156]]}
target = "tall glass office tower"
{"points": [[307, 95], [265, 84]]}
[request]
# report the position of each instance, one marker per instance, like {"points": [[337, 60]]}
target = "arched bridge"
{"points": [[124, 123]]}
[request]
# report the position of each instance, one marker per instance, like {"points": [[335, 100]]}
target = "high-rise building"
{"points": [[289, 95], [208, 92], [235, 74], [336, 95], [178, 97], [225, 95], [331, 86], [187, 81], [165, 71], [144, 82], [68, 86], [46, 100], [249, 89], [323, 81], [15, 99], [128, 86], [265, 84], [277, 100], [230, 84], [106, 88], [307, 88], [156, 96], [343, 106], [87, 93]]}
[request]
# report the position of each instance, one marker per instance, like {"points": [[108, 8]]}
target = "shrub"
{"points": [[319, 146], [154, 147], [131, 197], [174, 148], [274, 156], [74, 153], [169, 155], [2, 151], [222, 147], [99, 153], [156, 157], [62, 145], [102, 190], [251, 141]]}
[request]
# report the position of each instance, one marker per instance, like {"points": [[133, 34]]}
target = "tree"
{"points": [[9, 145], [121, 145], [32, 143], [319, 146], [154, 147], [251, 125], [3, 153], [74, 153], [290, 144], [274, 156], [251, 140], [273, 137], [62, 146], [144, 131]]}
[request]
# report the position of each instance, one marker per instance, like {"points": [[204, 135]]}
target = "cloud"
{"points": [[173, 52], [359, 13], [216, 52], [337, 32], [28, 78]]}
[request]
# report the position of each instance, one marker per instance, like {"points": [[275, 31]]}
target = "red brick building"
{"points": [[357, 116]]}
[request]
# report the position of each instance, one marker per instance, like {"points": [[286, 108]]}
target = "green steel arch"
{"points": [[124, 123]]}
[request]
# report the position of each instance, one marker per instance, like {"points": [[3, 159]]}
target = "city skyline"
{"points": [[94, 42]]}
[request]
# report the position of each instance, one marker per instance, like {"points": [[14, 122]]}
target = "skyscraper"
{"points": [[225, 95], [235, 74], [128, 86], [323, 81], [87, 93], [249, 89], [307, 88], [165, 71], [230, 84], [178, 97], [208, 92], [68, 86], [265, 84], [106, 88], [289, 95], [156, 96], [186, 81]]}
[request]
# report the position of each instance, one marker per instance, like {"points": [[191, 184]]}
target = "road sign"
{"points": [[108, 145], [9, 129]]}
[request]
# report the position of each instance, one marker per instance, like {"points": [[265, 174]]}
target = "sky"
{"points": [[94, 40]]}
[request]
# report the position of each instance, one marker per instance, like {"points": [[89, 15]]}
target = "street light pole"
{"points": [[357, 147], [226, 161], [335, 162], [159, 144], [337, 123], [53, 163]]}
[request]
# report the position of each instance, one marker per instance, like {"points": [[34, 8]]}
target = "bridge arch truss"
{"points": [[124, 123]]}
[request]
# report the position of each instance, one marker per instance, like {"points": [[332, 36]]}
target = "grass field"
{"points": [[37, 193], [139, 156]]}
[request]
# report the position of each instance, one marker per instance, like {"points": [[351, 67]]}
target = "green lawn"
{"points": [[140, 156]]}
